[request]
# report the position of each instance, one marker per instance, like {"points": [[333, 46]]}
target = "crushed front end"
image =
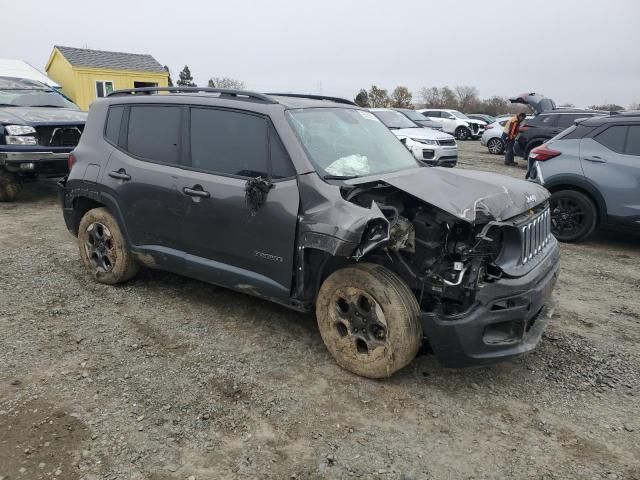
{"points": [[482, 272]]}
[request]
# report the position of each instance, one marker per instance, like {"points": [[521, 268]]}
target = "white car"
{"points": [[427, 145], [456, 123], [492, 136]]}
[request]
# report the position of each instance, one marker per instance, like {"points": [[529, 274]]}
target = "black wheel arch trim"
{"points": [[576, 182]]}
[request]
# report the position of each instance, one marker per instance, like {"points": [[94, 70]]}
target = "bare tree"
{"points": [[226, 82], [467, 97], [634, 106], [431, 97], [378, 97], [401, 97]]}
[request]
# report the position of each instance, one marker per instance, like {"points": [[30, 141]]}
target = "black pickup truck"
{"points": [[38, 129]]}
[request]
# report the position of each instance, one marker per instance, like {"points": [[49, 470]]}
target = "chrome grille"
{"points": [[535, 235]]}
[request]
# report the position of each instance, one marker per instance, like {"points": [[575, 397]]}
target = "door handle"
{"points": [[120, 174], [196, 191], [595, 159]]}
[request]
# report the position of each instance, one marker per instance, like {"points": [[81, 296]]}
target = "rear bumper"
{"points": [[42, 163], [67, 207], [507, 320]]}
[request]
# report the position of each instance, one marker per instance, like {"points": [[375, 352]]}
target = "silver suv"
{"points": [[592, 170]]}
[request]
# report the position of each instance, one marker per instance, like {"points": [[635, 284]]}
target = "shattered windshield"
{"points": [[343, 142], [33, 98]]}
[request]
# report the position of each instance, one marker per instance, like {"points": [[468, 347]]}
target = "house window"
{"points": [[103, 88]]}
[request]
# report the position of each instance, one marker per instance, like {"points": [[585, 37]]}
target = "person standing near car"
{"points": [[509, 133]]}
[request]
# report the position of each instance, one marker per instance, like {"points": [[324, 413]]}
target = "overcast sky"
{"points": [[579, 51]]}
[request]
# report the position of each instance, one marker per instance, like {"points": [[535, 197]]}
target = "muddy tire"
{"points": [[10, 186], [369, 320], [103, 249]]}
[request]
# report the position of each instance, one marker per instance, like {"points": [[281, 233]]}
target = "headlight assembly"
{"points": [[425, 141], [19, 129]]}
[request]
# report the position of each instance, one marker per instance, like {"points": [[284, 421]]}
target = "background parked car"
{"points": [[417, 117], [38, 129], [426, 144], [548, 121], [492, 136], [456, 123], [592, 170], [488, 119]]}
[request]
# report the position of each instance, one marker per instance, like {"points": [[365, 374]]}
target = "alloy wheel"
{"points": [[495, 146], [99, 247]]}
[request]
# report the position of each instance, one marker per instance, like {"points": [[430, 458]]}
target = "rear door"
{"points": [[144, 173], [611, 160], [229, 242]]}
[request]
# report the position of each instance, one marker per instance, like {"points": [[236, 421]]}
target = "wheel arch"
{"points": [[86, 201]]}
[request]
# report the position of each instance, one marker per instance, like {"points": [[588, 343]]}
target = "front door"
{"points": [[246, 245], [611, 160]]}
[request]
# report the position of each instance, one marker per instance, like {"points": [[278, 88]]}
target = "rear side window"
{"points": [[613, 138], [228, 142], [432, 114], [633, 141], [154, 132], [575, 132], [114, 120], [547, 120]]}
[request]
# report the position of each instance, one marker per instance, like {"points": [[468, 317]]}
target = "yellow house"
{"points": [[89, 74]]}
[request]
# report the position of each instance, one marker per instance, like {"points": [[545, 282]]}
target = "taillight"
{"points": [[70, 161], [543, 153]]}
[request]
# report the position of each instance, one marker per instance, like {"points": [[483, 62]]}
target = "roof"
{"points": [[615, 118], [83, 57], [21, 69]]}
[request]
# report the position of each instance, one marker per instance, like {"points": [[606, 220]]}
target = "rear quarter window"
{"points": [[114, 121]]}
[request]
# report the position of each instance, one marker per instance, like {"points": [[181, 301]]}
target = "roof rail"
{"points": [[221, 91], [313, 97]]}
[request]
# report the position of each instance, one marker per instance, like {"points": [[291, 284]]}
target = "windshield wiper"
{"points": [[339, 177], [48, 106]]}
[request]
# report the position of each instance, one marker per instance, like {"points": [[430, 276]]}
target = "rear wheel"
{"points": [[369, 320], [495, 146], [10, 186], [573, 215], [462, 133], [103, 249]]}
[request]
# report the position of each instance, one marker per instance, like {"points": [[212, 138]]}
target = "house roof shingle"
{"points": [[82, 57]]}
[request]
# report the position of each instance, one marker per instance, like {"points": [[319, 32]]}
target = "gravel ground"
{"points": [[170, 378]]}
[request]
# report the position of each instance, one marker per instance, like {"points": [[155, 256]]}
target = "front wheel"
{"points": [[369, 320], [103, 249], [462, 133], [495, 146], [573, 215]]}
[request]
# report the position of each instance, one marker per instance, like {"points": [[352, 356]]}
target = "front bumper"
{"points": [[445, 156], [507, 320], [38, 162]]}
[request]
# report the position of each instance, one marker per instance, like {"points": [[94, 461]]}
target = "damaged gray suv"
{"points": [[311, 202]]}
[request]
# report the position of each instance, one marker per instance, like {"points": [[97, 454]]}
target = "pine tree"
{"points": [[185, 79]]}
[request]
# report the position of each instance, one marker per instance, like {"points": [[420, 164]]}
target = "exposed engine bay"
{"points": [[441, 257]]}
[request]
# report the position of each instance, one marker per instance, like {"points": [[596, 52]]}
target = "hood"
{"points": [[465, 193], [37, 115], [426, 133], [482, 123], [539, 103]]}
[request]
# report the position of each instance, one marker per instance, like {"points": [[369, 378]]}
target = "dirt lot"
{"points": [[169, 378]]}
